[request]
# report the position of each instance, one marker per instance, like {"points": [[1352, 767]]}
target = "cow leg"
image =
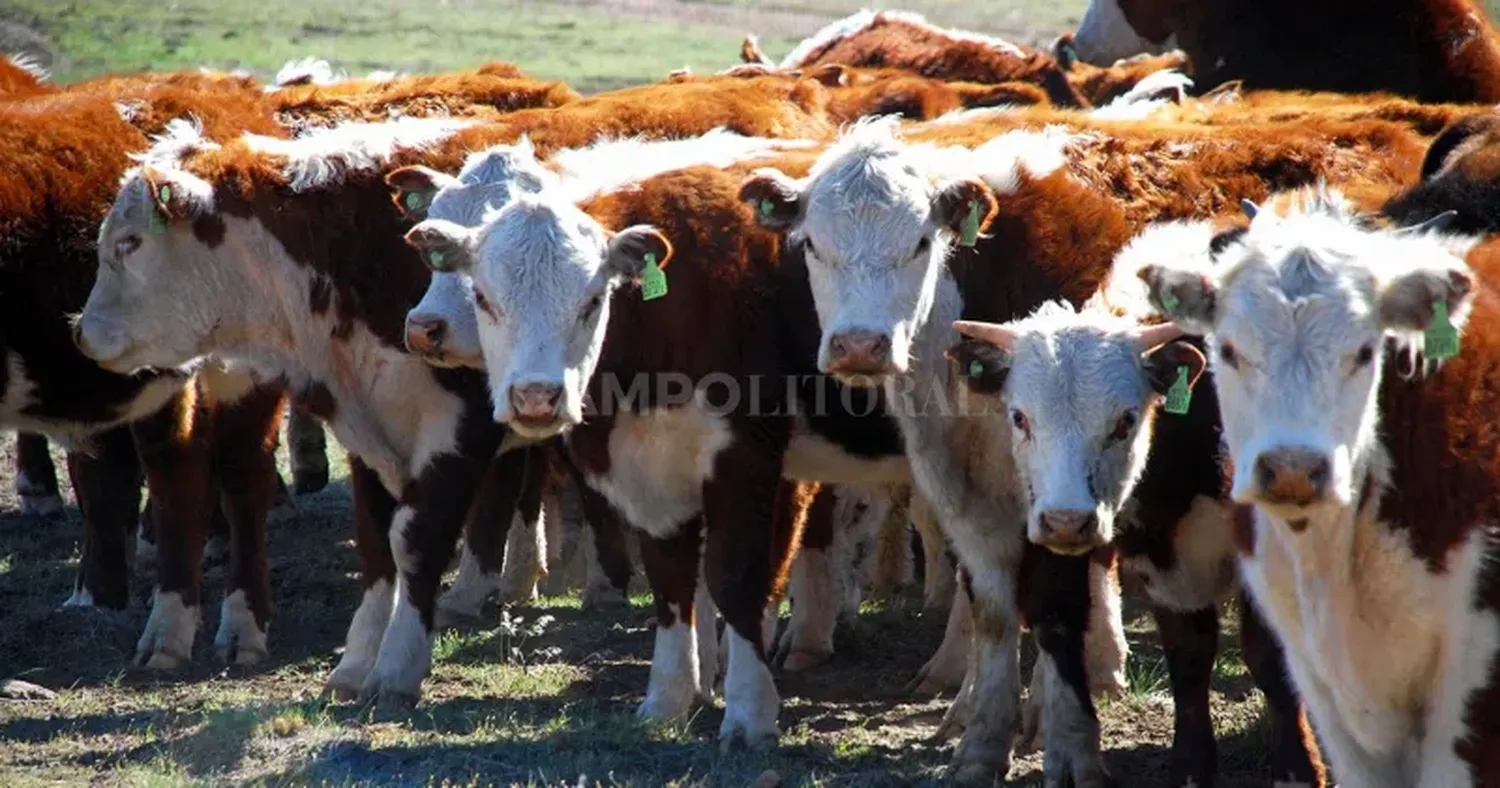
{"points": [[36, 477], [676, 674], [175, 447], [424, 532], [1295, 760], [753, 519], [374, 508], [245, 466], [814, 589], [526, 545], [892, 569], [948, 665], [609, 569], [1190, 642], [308, 452], [986, 705], [937, 576], [107, 484], [1056, 598], [485, 548]]}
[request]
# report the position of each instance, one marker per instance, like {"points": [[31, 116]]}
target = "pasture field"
{"points": [[546, 701], [543, 694]]}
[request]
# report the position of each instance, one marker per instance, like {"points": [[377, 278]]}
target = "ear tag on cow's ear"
{"points": [[969, 231], [653, 280], [435, 258], [767, 207], [1169, 302], [976, 369], [1440, 340], [415, 200], [1180, 395], [156, 224]]}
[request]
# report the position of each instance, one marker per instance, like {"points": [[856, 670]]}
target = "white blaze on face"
{"points": [[1105, 36], [1077, 388], [1297, 311]]}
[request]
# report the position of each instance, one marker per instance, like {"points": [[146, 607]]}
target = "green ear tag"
{"points": [[164, 194], [156, 224], [767, 207], [654, 280], [414, 200], [1440, 340], [435, 258], [1179, 396], [969, 232], [1169, 302], [975, 368]]}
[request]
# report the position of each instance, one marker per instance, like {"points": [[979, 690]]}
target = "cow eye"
{"points": [[1364, 356], [590, 309], [1229, 355], [923, 246], [1123, 425], [484, 304], [126, 245], [1022, 424]]}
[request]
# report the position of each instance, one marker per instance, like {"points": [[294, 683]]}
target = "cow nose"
{"points": [[1069, 530], [1298, 477], [425, 333], [535, 401], [859, 352]]}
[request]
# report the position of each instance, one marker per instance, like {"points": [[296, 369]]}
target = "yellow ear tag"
{"points": [[653, 280], [1440, 339], [1180, 395]]}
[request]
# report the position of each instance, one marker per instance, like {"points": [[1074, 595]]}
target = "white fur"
{"points": [[19, 401], [81, 597], [238, 632], [1105, 36], [706, 632], [1138, 103], [362, 644], [1177, 241], [405, 652], [750, 698], [525, 564], [167, 642], [309, 70], [324, 158], [674, 683], [659, 461], [815, 589], [857, 22], [465, 598], [30, 64], [35, 501], [1204, 574]]}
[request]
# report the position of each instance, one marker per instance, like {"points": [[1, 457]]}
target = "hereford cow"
{"points": [[879, 224], [1431, 50], [1367, 483]]}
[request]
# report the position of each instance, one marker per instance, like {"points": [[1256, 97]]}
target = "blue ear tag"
{"points": [[1180, 395], [653, 280]]}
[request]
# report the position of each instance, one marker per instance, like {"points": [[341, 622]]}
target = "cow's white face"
{"points": [[442, 327], [1298, 310], [1105, 35], [157, 295], [542, 274], [1079, 391], [874, 230]]}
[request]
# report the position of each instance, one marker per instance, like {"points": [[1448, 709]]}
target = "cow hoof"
{"points": [[738, 737], [517, 592], [341, 688], [666, 710], [46, 507], [162, 660], [805, 660], [80, 598], [388, 700], [306, 481], [936, 679], [976, 763]]}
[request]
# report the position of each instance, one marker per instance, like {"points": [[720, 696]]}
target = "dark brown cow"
{"points": [[1431, 50]]}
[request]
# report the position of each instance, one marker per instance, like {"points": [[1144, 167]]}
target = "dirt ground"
{"points": [[548, 699]]}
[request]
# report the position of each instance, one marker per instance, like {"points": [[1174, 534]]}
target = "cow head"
{"points": [[1113, 30], [442, 327], [542, 273], [875, 230], [1079, 391], [158, 281], [1297, 310]]}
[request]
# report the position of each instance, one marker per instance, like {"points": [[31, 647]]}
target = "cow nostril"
{"points": [[1319, 474], [1265, 473], [836, 347], [435, 331], [881, 347]]}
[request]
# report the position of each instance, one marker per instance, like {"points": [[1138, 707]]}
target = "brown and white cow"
{"points": [[1355, 368], [1431, 50]]}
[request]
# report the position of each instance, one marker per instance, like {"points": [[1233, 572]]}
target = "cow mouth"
{"points": [[539, 428], [1071, 549], [864, 379]]}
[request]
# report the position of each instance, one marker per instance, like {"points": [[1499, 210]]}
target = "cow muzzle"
{"points": [[104, 347], [1292, 477], [1068, 531], [860, 357], [536, 409], [425, 334]]}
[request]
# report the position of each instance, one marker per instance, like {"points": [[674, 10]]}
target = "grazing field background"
{"points": [[539, 695]]}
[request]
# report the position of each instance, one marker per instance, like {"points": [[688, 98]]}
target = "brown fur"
{"points": [[1432, 50], [1102, 84], [16, 81]]}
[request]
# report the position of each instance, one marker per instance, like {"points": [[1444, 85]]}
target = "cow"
{"points": [[878, 226], [1461, 173], [1430, 50], [1354, 365], [421, 435], [1096, 387]]}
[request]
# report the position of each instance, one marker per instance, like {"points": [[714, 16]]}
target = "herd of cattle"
{"points": [[1073, 312]]}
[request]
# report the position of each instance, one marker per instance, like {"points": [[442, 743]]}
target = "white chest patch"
{"points": [[1204, 574], [20, 394], [812, 458], [658, 462]]}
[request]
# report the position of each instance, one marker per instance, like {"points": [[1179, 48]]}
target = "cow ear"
{"points": [[635, 249], [965, 207], [775, 198], [1410, 302], [170, 199], [1165, 364], [833, 75], [1186, 296], [982, 366], [1064, 52], [446, 247], [413, 188]]}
